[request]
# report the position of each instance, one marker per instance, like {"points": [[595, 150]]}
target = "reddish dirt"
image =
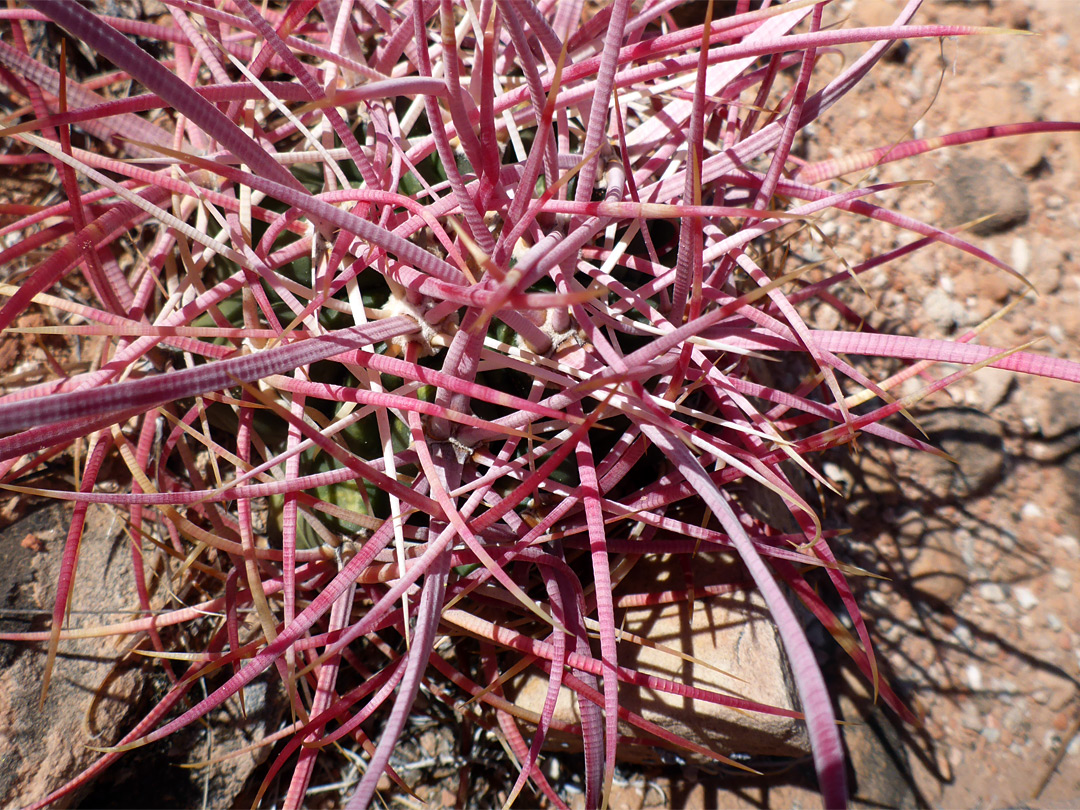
{"points": [[978, 627], [980, 623]]}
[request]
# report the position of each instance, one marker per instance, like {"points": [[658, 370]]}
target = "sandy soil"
{"points": [[978, 624]]}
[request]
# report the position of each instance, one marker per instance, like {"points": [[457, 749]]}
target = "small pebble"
{"points": [[992, 735], [974, 677], [963, 635], [1054, 623], [1031, 511], [1006, 687], [32, 542], [944, 768], [1050, 740], [1025, 598], [991, 592], [1021, 256], [1015, 717], [1069, 544], [1062, 579], [1008, 539], [972, 722]]}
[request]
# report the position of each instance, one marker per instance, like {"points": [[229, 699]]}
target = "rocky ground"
{"points": [[978, 623]]}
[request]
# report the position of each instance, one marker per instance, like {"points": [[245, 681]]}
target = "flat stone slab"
{"points": [[731, 646]]}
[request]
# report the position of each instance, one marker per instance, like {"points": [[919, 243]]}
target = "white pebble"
{"points": [[878, 599], [1021, 256], [991, 592], [1062, 579], [974, 677], [1030, 511], [1069, 544], [963, 635], [1025, 598]]}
